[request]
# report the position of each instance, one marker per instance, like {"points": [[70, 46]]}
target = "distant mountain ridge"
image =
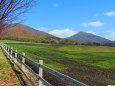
{"points": [[26, 33], [88, 37]]}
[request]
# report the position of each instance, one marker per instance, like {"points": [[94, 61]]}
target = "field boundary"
{"points": [[14, 56]]}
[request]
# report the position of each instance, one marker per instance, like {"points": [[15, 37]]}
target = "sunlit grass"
{"points": [[53, 54]]}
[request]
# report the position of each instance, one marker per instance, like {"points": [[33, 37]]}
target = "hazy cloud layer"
{"points": [[95, 24], [110, 13], [92, 32], [110, 34], [63, 33], [42, 28]]}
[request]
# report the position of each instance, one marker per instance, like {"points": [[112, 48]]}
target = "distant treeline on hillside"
{"points": [[57, 41]]}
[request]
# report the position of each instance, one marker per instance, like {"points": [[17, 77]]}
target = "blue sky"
{"points": [[64, 18]]}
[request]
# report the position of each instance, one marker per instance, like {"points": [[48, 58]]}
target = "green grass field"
{"points": [[96, 63]]}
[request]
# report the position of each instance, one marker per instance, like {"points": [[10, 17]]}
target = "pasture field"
{"points": [[93, 65]]}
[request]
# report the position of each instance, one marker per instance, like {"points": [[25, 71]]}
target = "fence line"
{"points": [[32, 83], [39, 76]]}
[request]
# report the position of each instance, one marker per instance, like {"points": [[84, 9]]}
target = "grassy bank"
{"points": [[7, 75]]}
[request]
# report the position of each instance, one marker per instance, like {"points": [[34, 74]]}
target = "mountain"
{"points": [[23, 32], [88, 37]]}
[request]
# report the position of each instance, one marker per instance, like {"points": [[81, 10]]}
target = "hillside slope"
{"points": [[23, 32]]}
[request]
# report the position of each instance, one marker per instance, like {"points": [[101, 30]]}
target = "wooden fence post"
{"points": [[15, 56], [8, 51], [11, 52], [40, 72], [23, 60]]}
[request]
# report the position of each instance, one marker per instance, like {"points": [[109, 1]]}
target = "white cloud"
{"points": [[95, 24], [110, 34], [91, 32], [42, 28], [110, 13], [55, 4], [63, 33]]}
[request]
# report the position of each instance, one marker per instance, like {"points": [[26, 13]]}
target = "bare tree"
{"points": [[10, 10]]}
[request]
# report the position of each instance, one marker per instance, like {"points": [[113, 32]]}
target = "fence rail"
{"points": [[13, 56]]}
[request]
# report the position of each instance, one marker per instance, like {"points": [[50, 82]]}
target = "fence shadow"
{"points": [[17, 73]]}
